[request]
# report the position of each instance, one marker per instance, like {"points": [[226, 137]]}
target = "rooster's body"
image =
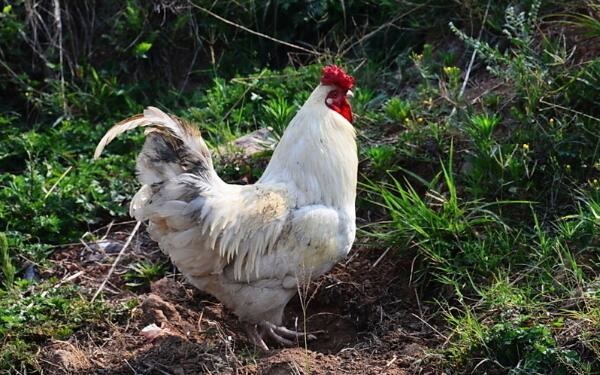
{"points": [[251, 245]]}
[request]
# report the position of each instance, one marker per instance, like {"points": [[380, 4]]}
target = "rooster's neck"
{"points": [[317, 157]]}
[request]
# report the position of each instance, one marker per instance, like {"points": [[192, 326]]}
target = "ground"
{"points": [[365, 314]]}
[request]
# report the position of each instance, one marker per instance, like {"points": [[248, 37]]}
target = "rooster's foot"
{"points": [[279, 334]]}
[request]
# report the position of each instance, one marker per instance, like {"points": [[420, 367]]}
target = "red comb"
{"points": [[334, 75]]}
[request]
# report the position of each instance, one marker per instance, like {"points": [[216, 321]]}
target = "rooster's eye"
{"points": [[333, 94]]}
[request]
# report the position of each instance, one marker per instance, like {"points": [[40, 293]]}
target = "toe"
{"points": [[288, 332], [281, 340], [284, 335], [255, 337], [283, 331]]}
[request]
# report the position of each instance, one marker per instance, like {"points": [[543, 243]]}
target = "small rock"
{"points": [[151, 332], [258, 141], [31, 273], [108, 246]]}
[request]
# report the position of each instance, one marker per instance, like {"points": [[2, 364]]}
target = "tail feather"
{"points": [[172, 147]]}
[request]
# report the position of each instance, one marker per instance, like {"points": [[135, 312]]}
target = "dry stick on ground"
{"points": [[381, 27], [468, 73], [114, 265], [59, 30], [57, 182], [313, 52], [472, 61]]}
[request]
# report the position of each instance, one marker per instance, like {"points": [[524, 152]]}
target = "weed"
{"points": [[279, 113], [381, 157], [31, 314], [398, 110], [443, 228], [8, 269], [144, 272]]}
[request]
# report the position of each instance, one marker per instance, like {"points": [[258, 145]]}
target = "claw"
{"points": [[255, 337], [293, 334], [279, 334], [272, 332]]}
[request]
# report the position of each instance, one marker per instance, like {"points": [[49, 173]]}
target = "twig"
{"points": [[471, 62], [254, 32], [381, 27], [58, 20], [114, 265], [199, 324], [110, 225], [468, 73], [430, 326], [418, 302], [248, 88], [391, 361], [69, 278], [381, 257], [57, 182], [569, 109]]}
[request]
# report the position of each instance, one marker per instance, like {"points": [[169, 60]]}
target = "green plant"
{"points": [[443, 228], [8, 269], [452, 74], [34, 313], [397, 109], [279, 113], [588, 22], [144, 272], [494, 168], [381, 156], [542, 143], [480, 128]]}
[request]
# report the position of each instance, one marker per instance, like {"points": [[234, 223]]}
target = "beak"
{"points": [[349, 94]]}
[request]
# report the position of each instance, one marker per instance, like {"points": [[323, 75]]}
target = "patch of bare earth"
{"points": [[364, 313]]}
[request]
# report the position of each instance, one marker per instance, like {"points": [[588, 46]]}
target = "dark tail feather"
{"points": [[172, 147]]}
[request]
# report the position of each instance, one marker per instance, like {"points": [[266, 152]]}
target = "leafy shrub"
{"points": [[30, 314]]}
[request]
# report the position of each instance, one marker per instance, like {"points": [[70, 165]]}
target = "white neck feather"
{"points": [[317, 155]]}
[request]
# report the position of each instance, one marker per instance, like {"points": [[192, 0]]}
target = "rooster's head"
{"points": [[340, 83]]}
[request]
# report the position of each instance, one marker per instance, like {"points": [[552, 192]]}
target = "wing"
{"points": [[207, 227]]}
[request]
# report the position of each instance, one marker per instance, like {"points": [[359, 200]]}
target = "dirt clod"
{"points": [[156, 310]]}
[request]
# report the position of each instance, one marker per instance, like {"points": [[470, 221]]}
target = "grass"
{"points": [[31, 314], [506, 239], [143, 273], [495, 190]]}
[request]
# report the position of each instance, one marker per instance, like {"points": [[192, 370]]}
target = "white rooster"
{"points": [[252, 245]]}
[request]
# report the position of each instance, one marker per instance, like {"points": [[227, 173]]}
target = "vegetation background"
{"points": [[479, 132]]}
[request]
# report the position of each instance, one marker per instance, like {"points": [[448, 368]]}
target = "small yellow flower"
{"points": [[526, 146], [420, 119], [428, 102], [451, 70], [551, 121]]}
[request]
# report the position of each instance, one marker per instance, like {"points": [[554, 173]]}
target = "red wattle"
{"points": [[346, 111]]}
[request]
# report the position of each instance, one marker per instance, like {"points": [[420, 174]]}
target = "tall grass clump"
{"points": [[510, 236]]}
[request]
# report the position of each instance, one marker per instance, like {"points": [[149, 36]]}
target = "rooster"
{"points": [[252, 246]]}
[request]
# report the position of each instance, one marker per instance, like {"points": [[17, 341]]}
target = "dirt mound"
{"points": [[364, 315]]}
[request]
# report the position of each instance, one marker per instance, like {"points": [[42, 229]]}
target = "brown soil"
{"points": [[366, 318]]}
